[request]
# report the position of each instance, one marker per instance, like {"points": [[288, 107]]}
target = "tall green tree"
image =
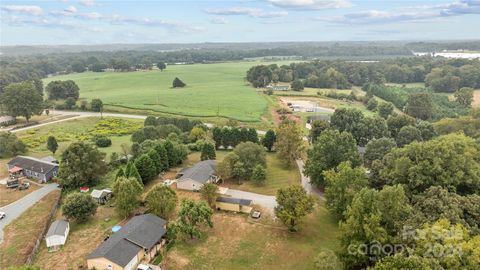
{"points": [[161, 200], [250, 154], [208, 151], [81, 165], [385, 109], [162, 153], [146, 168], [259, 175], [330, 149], [377, 149], [22, 99], [161, 66], [318, 126], [225, 167], [269, 140], [192, 215], [52, 144], [10, 145], [96, 105], [127, 195], [464, 96], [209, 193], [293, 204], [156, 160], [79, 206], [217, 136], [408, 134], [289, 144], [342, 184], [419, 105], [131, 171], [451, 161], [63, 90]]}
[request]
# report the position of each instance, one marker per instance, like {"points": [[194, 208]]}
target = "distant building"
{"points": [[195, 177], [57, 234], [139, 240], [234, 204], [279, 87], [32, 167]]}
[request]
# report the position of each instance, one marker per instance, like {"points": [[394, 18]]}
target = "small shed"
{"points": [[57, 234], [101, 196], [234, 204]]}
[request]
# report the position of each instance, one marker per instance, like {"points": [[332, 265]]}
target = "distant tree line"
{"points": [[441, 75]]}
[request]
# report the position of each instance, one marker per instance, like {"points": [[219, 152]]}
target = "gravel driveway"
{"points": [[16, 208]]}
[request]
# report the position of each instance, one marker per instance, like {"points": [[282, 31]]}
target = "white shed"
{"points": [[57, 234]]}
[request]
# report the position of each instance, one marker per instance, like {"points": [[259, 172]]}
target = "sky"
{"points": [[56, 22]]}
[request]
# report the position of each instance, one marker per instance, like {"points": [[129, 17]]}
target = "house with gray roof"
{"points": [[34, 168], [57, 234], [195, 177], [141, 238]]}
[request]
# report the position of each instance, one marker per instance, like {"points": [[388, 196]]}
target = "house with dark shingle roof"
{"points": [[140, 239], [195, 177], [34, 168]]}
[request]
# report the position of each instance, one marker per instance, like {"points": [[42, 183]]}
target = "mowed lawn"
{"points": [[234, 242], [212, 90]]}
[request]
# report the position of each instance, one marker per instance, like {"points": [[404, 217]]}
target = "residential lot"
{"points": [[235, 242], [21, 234], [8, 195]]}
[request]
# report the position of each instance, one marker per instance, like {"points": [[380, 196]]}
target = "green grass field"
{"points": [[212, 90]]}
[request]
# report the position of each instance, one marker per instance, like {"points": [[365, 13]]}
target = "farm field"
{"points": [[212, 90]]}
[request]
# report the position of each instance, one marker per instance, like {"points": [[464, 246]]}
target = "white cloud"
{"points": [[311, 4], [412, 13], [218, 20], [71, 9], [251, 12], [172, 26], [32, 10], [87, 2]]}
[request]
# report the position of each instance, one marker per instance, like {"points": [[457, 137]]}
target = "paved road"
{"points": [[307, 185], [16, 208], [76, 115], [265, 201]]}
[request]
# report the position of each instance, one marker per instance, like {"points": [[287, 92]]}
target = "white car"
{"points": [[2, 215]]}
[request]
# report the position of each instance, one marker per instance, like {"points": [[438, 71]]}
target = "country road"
{"points": [[16, 208]]}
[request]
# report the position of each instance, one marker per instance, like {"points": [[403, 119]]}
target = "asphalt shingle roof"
{"points": [[234, 200], [200, 172], [142, 231], [58, 227], [33, 164]]}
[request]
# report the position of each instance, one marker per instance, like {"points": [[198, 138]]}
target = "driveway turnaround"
{"points": [[16, 208], [268, 202]]}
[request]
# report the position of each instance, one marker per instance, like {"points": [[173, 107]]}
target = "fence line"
{"points": [[32, 254]]}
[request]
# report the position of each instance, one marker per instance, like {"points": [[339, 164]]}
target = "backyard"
{"points": [[235, 242]]}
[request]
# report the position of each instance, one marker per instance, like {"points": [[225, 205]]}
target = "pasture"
{"points": [[213, 90]]}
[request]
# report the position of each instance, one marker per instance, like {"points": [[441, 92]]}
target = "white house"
{"points": [[195, 177], [57, 234]]}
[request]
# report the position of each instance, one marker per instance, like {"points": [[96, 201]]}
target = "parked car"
{"points": [[2, 215], [23, 186]]}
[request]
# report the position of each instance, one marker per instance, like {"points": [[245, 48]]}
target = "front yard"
{"points": [[8, 195], [21, 234], [235, 242]]}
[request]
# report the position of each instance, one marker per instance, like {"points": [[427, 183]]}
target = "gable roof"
{"points": [[58, 227], [142, 231], [200, 172], [32, 164], [234, 201]]}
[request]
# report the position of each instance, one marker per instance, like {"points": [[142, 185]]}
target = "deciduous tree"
{"points": [[192, 215], [79, 206], [269, 140], [127, 195], [208, 151], [209, 193], [293, 204], [289, 144], [161, 200], [22, 99]]}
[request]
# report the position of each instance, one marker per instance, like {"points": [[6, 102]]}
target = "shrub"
{"points": [[102, 141]]}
